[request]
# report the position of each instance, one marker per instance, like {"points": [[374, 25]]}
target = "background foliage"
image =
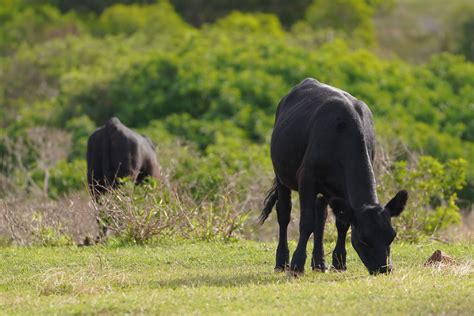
{"points": [[204, 86]]}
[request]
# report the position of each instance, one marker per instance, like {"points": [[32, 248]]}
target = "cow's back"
{"points": [[304, 100], [306, 108]]}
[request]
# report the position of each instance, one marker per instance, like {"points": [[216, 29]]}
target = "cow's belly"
{"points": [[290, 141], [287, 156]]}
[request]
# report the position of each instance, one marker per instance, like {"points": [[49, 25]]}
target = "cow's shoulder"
{"points": [[97, 135]]}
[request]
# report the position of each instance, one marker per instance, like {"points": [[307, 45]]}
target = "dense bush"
{"points": [[159, 18], [207, 96], [427, 106], [23, 24], [68, 177], [348, 18], [432, 188], [79, 128]]}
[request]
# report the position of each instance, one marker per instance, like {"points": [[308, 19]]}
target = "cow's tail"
{"points": [[270, 200]]}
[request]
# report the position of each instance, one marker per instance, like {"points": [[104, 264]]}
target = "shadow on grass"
{"points": [[252, 278], [222, 280]]}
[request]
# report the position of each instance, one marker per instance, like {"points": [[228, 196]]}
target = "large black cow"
{"points": [[115, 151], [323, 147]]}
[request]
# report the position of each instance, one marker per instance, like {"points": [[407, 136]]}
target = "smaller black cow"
{"points": [[115, 151]]}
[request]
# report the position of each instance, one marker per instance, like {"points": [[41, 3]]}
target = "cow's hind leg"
{"points": [[339, 253], [101, 216], [283, 208], [320, 214], [307, 194]]}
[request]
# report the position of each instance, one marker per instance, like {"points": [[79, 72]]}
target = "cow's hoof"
{"points": [[339, 261], [320, 268], [334, 269], [295, 273], [284, 268], [339, 266]]}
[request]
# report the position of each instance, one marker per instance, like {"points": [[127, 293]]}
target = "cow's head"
{"points": [[372, 231]]}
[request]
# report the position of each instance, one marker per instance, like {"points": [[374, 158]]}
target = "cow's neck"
{"points": [[360, 181]]}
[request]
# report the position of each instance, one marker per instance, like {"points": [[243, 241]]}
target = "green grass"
{"points": [[232, 278]]}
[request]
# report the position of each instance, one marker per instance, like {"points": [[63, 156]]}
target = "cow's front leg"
{"points": [[339, 253], [307, 194], [320, 211]]}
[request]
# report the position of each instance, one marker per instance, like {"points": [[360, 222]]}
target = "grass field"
{"points": [[233, 278]]}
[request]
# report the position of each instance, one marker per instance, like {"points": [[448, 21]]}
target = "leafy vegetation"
{"points": [[207, 96], [432, 187], [202, 79]]}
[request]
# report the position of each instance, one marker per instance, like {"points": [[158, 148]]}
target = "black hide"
{"points": [[115, 151]]}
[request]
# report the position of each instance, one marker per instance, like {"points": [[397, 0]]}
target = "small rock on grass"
{"points": [[439, 257]]}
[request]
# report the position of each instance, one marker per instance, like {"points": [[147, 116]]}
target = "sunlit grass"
{"points": [[214, 278]]}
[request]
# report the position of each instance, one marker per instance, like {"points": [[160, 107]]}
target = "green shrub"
{"points": [[22, 24], [207, 97], [49, 235], [68, 176], [242, 23], [159, 18], [201, 132], [80, 129], [351, 19], [432, 188]]}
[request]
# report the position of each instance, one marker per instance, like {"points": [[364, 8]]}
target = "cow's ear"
{"points": [[342, 209], [397, 204]]}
